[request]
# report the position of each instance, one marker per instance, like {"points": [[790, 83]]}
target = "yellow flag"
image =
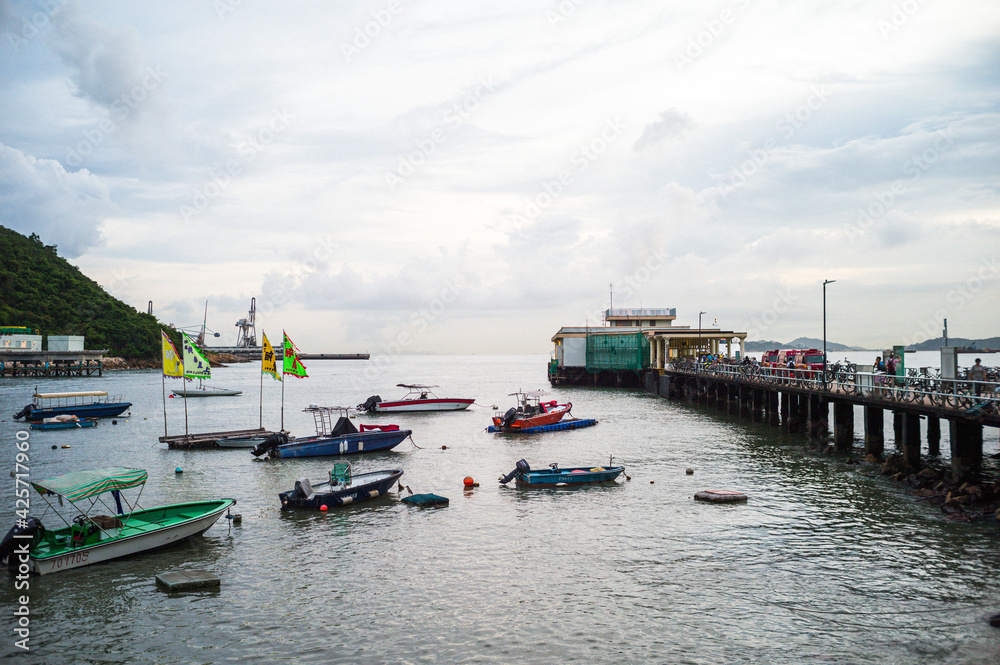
{"points": [[268, 364], [172, 365]]}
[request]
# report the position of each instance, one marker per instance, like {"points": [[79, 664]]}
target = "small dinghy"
{"points": [[340, 489], [554, 476]]}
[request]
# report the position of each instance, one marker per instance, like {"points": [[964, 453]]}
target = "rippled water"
{"points": [[825, 563]]}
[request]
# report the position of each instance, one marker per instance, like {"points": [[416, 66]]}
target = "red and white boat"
{"points": [[530, 411], [419, 398]]}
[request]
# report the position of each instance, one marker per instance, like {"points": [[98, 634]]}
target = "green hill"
{"points": [[40, 290]]}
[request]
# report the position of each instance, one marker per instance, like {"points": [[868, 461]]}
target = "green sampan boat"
{"points": [[91, 538]]}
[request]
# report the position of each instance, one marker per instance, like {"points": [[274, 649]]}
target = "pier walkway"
{"points": [[800, 400]]}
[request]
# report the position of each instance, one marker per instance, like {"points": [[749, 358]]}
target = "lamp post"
{"points": [[698, 351], [825, 282]]}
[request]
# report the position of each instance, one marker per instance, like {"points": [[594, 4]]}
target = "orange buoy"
{"points": [[469, 482], [323, 507], [720, 496]]}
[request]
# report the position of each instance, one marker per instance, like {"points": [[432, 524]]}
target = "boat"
{"points": [[572, 423], [206, 391], [340, 489], [248, 441], [555, 476], [64, 422], [92, 538], [86, 404], [419, 398], [340, 438], [530, 412]]}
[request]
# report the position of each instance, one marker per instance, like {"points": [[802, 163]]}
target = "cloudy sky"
{"points": [[470, 176]]}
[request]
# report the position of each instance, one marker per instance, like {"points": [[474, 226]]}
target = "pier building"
{"points": [[631, 342]]}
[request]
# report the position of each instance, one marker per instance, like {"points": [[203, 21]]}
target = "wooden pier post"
{"points": [[843, 425], [966, 447], [784, 408], [757, 414], [911, 439], [897, 429], [933, 435], [818, 419], [772, 407], [796, 412], [874, 431]]}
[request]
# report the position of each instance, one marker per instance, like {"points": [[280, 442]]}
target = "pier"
{"points": [[639, 350], [35, 364], [254, 352]]}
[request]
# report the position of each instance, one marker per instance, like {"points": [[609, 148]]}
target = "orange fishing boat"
{"points": [[530, 411]]}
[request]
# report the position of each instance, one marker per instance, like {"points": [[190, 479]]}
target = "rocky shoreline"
{"points": [[112, 363]]}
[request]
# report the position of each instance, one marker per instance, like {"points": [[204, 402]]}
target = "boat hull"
{"points": [[135, 536], [555, 427], [571, 476], [364, 486], [346, 444], [207, 393], [420, 405], [73, 424], [106, 410]]}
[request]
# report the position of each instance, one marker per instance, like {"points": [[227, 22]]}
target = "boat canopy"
{"points": [[89, 393], [415, 386], [82, 484]]}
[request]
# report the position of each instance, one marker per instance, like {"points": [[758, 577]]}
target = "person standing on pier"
{"points": [[977, 373]]}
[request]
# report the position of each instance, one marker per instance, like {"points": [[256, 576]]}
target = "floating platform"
{"points": [[207, 440], [555, 427], [188, 580], [721, 496]]}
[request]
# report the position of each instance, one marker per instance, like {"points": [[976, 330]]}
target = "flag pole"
{"points": [[284, 342], [163, 380], [262, 386]]}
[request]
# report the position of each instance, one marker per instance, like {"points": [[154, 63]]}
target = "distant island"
{"points": [[988, 345]]}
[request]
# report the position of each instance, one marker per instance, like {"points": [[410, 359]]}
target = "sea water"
{"points": [[826, 562]]}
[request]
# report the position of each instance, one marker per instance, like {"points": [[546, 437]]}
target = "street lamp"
{"points": [[825, 282], [698, 351]]}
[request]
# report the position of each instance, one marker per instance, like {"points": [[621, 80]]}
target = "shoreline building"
{"points": [[631, 341]]}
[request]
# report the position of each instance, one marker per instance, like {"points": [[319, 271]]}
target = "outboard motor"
{"points": [[25, 412], [521, 467], [368, 406], [33, 527], [270, 443], [508, 418]]}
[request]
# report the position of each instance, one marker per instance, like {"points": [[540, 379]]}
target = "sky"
{"points": [[468, 177]]}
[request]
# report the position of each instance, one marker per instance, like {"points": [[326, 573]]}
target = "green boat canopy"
{"points": [[82, 484]]}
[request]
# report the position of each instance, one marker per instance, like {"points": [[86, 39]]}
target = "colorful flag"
{"points": [[292, 364], [195, 365], [268, 365], [172, 365]]}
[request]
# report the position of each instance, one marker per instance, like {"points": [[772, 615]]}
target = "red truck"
{"points": [[803, 358]]}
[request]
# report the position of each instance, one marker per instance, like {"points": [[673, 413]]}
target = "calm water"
{"points": [[825, 563]]}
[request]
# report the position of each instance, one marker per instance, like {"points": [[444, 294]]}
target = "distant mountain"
{"points": [[42, 291], [990, 343], [799, 343]]}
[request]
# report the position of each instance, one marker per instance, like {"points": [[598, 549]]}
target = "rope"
{"points": [[410, 437]]}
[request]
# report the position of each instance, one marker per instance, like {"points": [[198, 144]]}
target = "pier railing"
{"points": [[919, 390]]}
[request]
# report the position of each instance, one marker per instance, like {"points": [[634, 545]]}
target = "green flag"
{"points": [[292, 364], [195, 365]]}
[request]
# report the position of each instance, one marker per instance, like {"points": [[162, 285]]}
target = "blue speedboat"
{"points": [[559, 477], [89, 404], [342, 438], [65, 422], [341, 489]]}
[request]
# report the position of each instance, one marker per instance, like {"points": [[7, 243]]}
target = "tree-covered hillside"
{"points": [[40, 290]]}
